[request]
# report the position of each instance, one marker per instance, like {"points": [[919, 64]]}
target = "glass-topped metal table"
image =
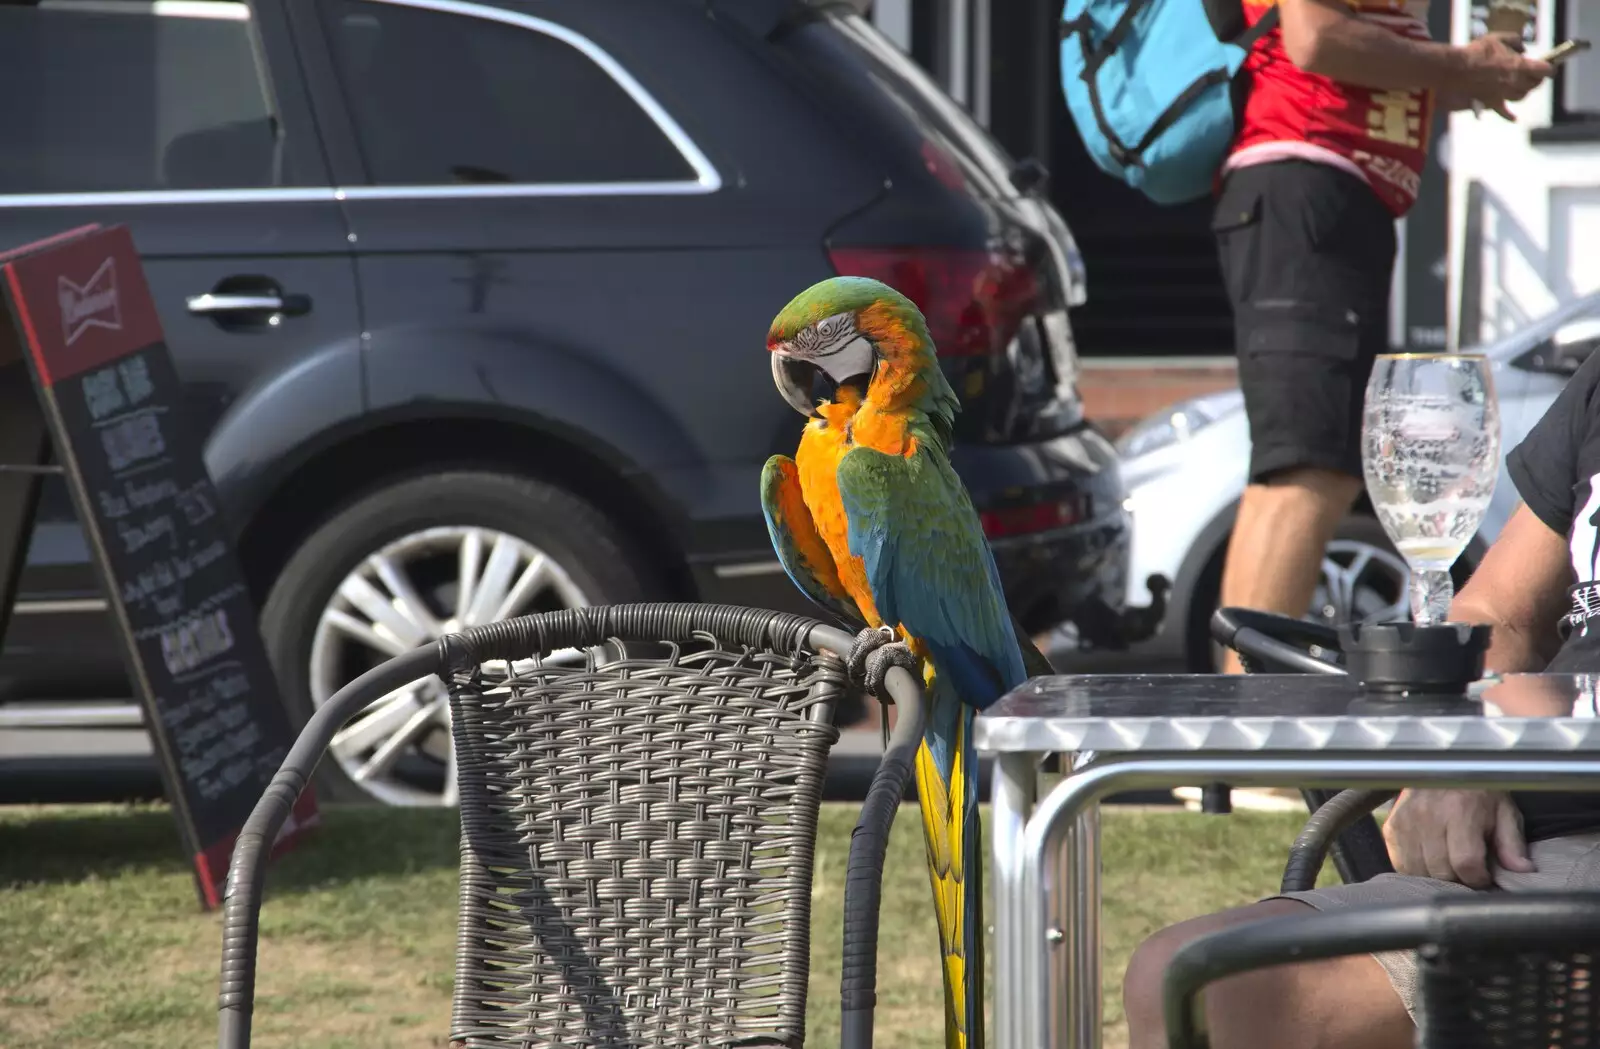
{"points": [[1134, 732]]}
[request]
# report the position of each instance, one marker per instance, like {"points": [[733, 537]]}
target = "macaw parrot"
{"points": [[871, 522]]}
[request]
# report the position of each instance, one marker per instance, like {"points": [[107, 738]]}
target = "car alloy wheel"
{"points": [[1360, 583], [410, 592]]}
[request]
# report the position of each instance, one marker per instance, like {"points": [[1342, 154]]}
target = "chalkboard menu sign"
{"points": [[110, 401]]}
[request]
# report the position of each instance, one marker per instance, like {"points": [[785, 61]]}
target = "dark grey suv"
{"points": [[470, 300]]}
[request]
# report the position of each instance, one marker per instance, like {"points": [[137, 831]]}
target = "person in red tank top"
{"points": [[1332, 140], [1379, 136], [1329, 153]]}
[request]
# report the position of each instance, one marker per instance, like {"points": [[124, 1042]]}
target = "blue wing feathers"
{"points": [[974, 675], [930, 568]]}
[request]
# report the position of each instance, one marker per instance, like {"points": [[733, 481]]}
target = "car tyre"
{"points": [[596, 563]]}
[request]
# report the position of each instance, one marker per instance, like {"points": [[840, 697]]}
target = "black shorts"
{"points": [[1307, 255]]}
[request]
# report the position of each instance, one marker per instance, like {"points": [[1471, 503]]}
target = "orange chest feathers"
{"points": [[824, 443]]}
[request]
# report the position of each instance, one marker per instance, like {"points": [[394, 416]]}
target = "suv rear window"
{"points": [[441, 97], [839, 45], [113, 95]]}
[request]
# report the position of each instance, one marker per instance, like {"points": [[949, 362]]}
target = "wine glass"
{"points": [[1430, 450]]}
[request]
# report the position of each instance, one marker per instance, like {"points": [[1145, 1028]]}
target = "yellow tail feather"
{"points": [[943, 832]]}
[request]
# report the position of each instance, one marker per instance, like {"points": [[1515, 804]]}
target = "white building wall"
{"points": [[1527, 237]]}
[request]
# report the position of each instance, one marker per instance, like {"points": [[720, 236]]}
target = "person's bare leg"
{"points": [[1275, 554], [1341, 1003]]}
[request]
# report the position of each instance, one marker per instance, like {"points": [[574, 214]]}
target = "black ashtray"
{"points": [[1413, 705], [1403, 660]]}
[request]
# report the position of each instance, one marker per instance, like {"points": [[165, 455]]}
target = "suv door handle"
{"points": [[224, 303], [211, 302]]}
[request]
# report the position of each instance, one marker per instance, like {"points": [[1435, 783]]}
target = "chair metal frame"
{"points": [[1468, 949], [1489, 965], [588, 628], [1341, 822]]}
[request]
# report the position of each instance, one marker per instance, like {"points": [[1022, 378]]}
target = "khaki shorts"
{"points": [[1563, 863]]}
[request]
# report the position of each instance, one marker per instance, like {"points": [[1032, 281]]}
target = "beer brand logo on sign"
{"points": [[92, 304]]}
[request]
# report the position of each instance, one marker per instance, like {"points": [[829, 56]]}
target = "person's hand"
{"points": [[1448, 835], [1497, 72]]}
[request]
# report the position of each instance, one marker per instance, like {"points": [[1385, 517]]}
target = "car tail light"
{"points": [[974, 301], [1028, 519]]}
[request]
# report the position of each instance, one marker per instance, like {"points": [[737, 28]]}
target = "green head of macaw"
{"points": [[859, 332]]}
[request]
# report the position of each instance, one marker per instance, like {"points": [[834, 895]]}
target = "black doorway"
{"points": [[1154, 286]]}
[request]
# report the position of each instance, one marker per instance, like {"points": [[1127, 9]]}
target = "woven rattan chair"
{"points": [[639, 794], [1495, 971]]}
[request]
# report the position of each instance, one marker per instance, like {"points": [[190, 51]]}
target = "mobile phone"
{"points": [[1566, 51]]}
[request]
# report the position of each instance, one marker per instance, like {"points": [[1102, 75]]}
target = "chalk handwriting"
{"points": [[169, 572], [102, 394], [135, 376], [137, 537], [192, 643], [132, 440]]}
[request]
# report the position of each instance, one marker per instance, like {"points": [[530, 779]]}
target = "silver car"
{"points": [[1186, 466]]}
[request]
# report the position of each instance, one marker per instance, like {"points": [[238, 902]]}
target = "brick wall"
{"points": [[1118, 392]]}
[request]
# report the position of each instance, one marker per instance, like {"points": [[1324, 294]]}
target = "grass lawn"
{"points": [[101, 941]]}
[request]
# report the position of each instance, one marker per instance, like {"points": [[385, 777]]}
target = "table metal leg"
{"points": [[1073, 931], [1059, 860], [1016, 789]]}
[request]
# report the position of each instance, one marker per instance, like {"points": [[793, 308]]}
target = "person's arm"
{"points": [[1326, 38], [1520, 590]]}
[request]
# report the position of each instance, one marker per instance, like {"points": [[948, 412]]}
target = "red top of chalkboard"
{"points": [[40, 245], [80, 300]]}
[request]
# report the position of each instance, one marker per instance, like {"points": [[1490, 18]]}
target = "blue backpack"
{"points": [[1151, 86]]}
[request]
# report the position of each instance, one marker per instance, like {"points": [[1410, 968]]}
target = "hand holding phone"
{"points": [[1565, 51]]}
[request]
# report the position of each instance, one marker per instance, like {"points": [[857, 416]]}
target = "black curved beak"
{"points": [[801, 383]]}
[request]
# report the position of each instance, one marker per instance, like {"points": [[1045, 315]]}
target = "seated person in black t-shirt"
{"points": [[1537, 586]]}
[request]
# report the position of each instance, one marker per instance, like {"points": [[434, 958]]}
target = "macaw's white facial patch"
{"points": [[834, 345], [828, 335], [831, 347], [854, 358]]}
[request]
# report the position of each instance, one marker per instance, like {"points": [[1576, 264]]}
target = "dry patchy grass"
{"points": [[101, 942]]}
